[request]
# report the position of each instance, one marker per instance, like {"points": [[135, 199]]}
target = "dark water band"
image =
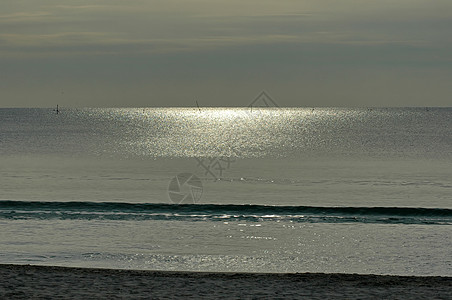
{"points": [[221, 212]]}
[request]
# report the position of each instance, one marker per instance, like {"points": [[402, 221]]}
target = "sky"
{"points": [[303, 53]]}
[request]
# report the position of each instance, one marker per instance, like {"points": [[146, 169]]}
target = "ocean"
{"points": [[335, 190]]}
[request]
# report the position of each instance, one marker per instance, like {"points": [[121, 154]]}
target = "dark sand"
{"points": [[40, 282]]}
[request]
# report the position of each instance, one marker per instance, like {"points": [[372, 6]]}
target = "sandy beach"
{"points": [[47, 282]]}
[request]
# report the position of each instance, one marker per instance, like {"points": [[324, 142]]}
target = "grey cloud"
{"points": [[307, 52]]}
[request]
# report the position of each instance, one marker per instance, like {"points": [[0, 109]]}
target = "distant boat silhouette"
{"points": [[57, 110]]}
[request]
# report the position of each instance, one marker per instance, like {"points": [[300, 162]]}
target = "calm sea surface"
{"points": [[229, 189]]}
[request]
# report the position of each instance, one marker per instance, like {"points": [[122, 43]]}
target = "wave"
{"points": [[221, 212]]}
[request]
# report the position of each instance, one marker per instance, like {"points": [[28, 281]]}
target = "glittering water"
{"points": [[304, 161], [238, 132]]}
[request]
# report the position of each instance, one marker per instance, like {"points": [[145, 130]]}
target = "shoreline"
{"points": [[39, 282]]}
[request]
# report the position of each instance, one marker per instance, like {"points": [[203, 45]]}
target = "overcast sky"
{"points": [[136, 53]]}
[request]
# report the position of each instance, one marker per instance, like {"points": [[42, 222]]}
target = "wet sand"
{"points": [[43, 282]]}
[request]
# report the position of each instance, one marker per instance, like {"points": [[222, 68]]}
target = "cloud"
{"points": [[104, 43], [24, 16], [95, 43], [93, 27], [106, 47]]}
